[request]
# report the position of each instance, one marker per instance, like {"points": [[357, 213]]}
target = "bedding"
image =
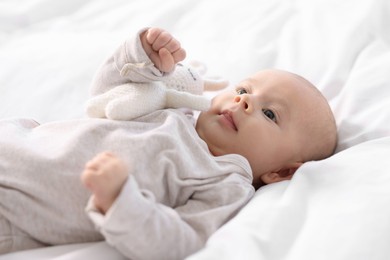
{"points": [[332, 209]]}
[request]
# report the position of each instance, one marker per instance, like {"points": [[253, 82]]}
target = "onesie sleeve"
{"points": [[141, 228], [129, 63]]}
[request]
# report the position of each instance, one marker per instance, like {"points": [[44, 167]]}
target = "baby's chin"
{"points": [[215, 151]]}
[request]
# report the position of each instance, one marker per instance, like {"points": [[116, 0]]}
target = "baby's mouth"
{"points": [[229, 119]]}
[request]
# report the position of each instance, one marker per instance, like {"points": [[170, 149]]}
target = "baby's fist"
{"points": [[162, 49], [105, 175]]}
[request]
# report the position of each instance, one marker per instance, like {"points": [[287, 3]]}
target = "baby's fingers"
{"points": [[167, 62], [86, 178], [179, 55], [152, 34], [100, 159], [159, 38]]}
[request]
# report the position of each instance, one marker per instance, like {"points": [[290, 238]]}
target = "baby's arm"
{"points": [[138, 221], [104, 176], [148, 56]]}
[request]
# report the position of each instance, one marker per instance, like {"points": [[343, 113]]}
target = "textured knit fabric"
{"points": [[176, 196]]}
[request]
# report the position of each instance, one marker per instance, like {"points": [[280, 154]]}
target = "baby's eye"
{"points": [[270, 114], [241, 91]]}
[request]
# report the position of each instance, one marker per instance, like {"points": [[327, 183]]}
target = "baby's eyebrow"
{"points": [[250, 84], [243, 83], [248, 81]]}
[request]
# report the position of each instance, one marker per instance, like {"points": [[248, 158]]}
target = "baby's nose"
{"points": [[243, 101]]}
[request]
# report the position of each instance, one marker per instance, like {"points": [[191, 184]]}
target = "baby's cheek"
{"points": [[221, 100]]}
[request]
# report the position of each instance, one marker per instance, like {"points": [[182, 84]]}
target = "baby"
{"points": [[275, 119], [160, 184]]}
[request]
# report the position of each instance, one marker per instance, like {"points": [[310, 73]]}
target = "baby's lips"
{"points": [[229, 117]]}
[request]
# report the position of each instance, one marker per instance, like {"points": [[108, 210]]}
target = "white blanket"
{"points": [[337, 208]]}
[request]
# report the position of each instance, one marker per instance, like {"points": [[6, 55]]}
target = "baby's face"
{"points": [[262, 119]]}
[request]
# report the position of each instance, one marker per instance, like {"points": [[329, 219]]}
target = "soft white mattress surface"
{"points": [[337, 208]]}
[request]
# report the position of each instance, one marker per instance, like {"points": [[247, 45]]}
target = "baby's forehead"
{"points": [[278, 81], [275, 78]]}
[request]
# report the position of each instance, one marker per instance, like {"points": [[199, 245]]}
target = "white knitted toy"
{"points": [[182, 89]]}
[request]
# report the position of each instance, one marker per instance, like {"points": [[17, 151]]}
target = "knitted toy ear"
{"points": [[210, 83], [200, 67], [214, 84], [191, 78]]}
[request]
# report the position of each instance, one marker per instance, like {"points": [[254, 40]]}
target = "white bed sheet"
{"points": [[333, 209]]}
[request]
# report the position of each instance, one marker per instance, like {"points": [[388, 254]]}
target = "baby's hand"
{"points": [[104, 175], [164, 50]]}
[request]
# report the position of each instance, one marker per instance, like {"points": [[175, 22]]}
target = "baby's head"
{"points": [[277, 120]]}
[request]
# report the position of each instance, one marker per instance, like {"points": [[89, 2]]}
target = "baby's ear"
{"points": [[284, 174]]}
